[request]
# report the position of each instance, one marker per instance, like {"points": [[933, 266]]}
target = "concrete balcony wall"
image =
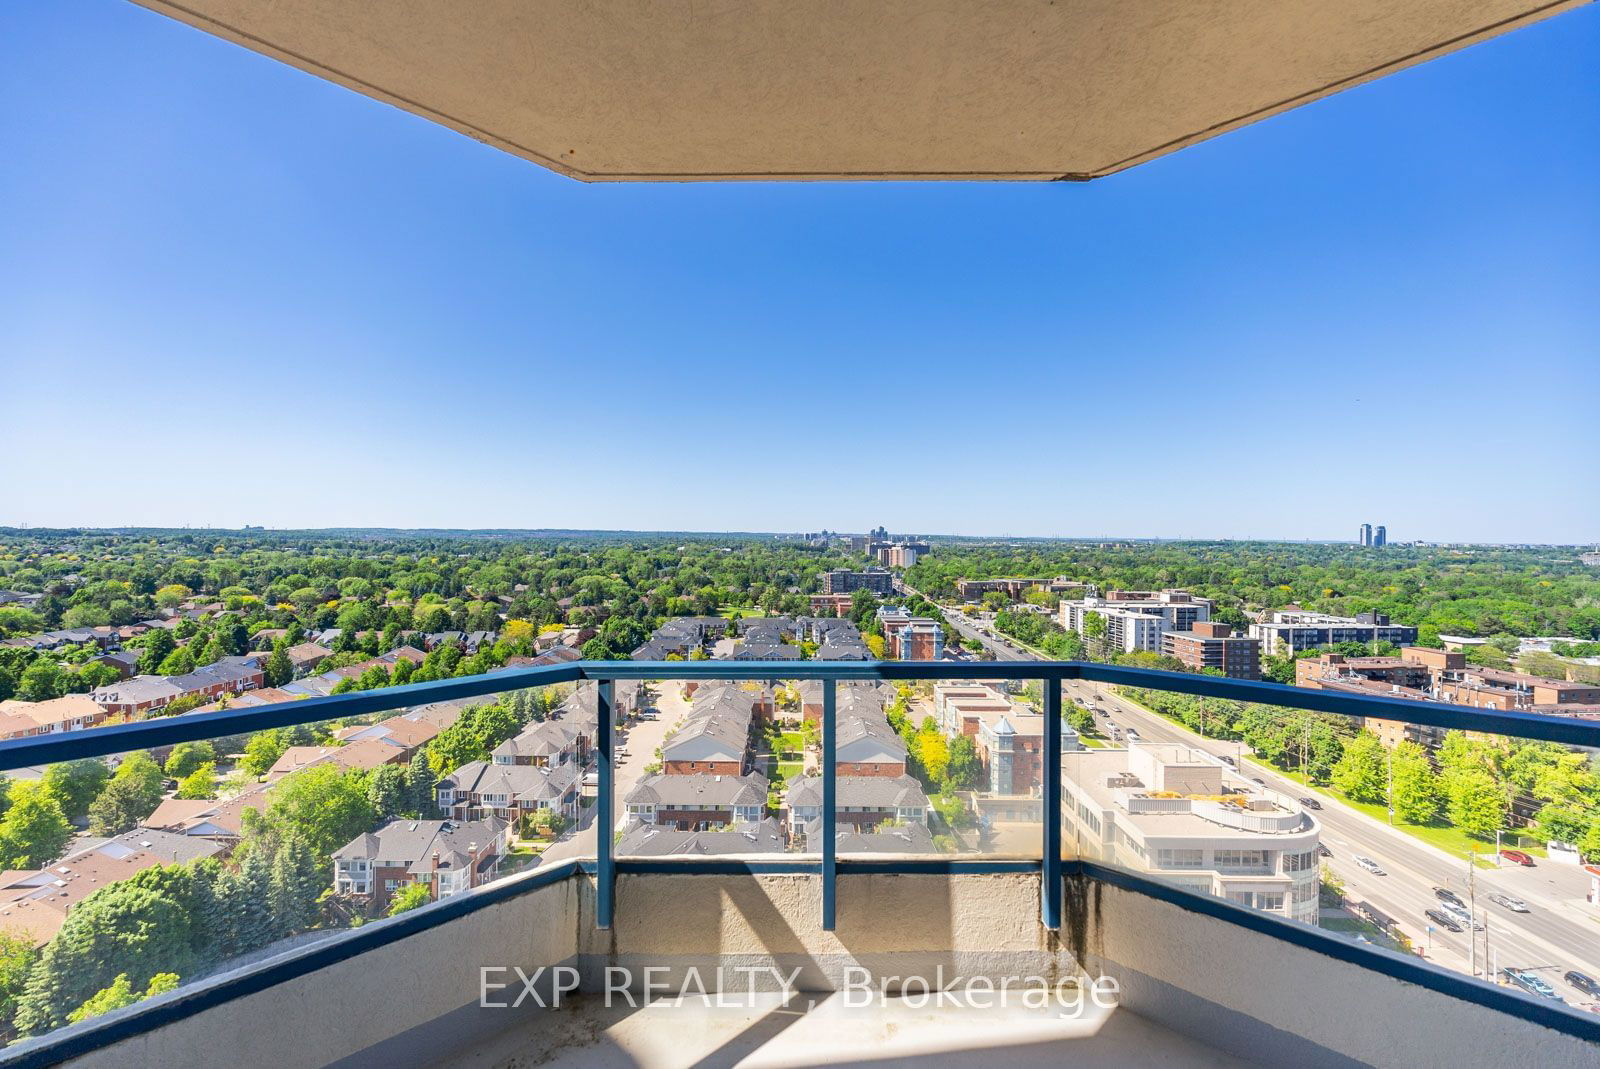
{"points": [[889, 925], [1254, 995], [407, 1003], [1226, 978]]}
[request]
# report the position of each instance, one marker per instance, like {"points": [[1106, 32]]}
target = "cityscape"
{"points": [[773, 535], [1476, 852]]}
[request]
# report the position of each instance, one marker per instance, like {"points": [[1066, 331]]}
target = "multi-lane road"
{"points": [[1561, 932]]}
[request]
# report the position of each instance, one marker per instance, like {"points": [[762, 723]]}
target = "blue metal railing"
{"points": [[121, 738]]}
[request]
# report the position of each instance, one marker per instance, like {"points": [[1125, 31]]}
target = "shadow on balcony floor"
{"points": [[819, 1029]]}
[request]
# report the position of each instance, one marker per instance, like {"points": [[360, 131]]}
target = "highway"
{"points": [[1559, 934]]}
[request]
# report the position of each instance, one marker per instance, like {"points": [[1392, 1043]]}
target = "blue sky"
{"points": [[231, 293]]}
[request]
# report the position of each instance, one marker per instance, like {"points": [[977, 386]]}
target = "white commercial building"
{"points": [[1180, 814]]}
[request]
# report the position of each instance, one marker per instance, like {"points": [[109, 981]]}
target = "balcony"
{"points": [[770, 958]]}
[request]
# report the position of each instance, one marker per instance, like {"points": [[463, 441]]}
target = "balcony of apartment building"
{"points": [[751, 953], [575, 960]]}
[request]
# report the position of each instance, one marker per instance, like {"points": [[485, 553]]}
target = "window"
{"points": [[1242, 859], [1167, 858]]}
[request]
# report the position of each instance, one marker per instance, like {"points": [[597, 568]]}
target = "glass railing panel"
{"points": [[1461, 847], [131, 874]]}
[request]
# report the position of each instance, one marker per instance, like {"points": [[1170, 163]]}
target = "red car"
{"points": [[1517, 857]]}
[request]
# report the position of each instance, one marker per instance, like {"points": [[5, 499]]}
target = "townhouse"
{"points": [[448, 856], [36, 902], [543, 744], [696, 802], [655, 840], [906, 838], [859, 801], [70, 712], [480, 789], [363, 755]]}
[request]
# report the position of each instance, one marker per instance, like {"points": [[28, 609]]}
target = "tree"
{"points": [[279, 669], [188, 756], [963, 771], [409, 897], [152, 922], [34, 830], [74, 784], [388, 792], [420, 784], [133, 794], [179, 662], [201, 783], [1476, 803], [158, 646], [262, 750], [326, 805], [17, 955], [1362, 773], [41, 681], [1417, 797], [121, 994]]}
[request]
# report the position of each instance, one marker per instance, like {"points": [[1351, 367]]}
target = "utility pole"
{"points": [[1472, 910]]}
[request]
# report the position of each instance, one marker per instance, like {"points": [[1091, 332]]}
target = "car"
{"points": [[1311, 803], [1322, 848], [1462, 914], [1533, 985], [1442, 919], [1517, 857], [1259, 780], [1230, 762], [1370, 865], [1444, 894], [622, 751], [1583, 982], [1515, 905], [1132, 735]]}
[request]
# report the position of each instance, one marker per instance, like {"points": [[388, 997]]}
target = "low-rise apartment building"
{"points": [[845, 581], [1291, 629], [1007, 735], [1135, 619], [448, 856], [910, 638], [1209, 644], [1178, 813]]}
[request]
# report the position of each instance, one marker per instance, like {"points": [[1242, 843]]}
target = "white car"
{"points": [[1461, 915], [1370, 865]]}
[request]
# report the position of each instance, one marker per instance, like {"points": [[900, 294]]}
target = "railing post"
{"points": [[1050, 871], [605, 864], [830, 765]]}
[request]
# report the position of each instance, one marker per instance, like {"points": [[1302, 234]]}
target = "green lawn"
{"points": [[790, 769], [1451, 840], [727, 614]]}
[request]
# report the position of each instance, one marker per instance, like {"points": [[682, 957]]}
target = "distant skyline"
{"points": [[231, 293]]}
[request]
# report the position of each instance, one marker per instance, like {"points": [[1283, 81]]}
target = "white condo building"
{"points": [[1136, 619], [1179, 813]]}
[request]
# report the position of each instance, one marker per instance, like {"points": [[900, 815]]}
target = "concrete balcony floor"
{"points": [[818, 1028]]}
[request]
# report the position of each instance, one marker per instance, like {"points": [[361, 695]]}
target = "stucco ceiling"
{"points": [[696, 90]]}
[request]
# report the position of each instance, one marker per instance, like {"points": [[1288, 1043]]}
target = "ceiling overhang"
{"points": [[716, 90]]}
